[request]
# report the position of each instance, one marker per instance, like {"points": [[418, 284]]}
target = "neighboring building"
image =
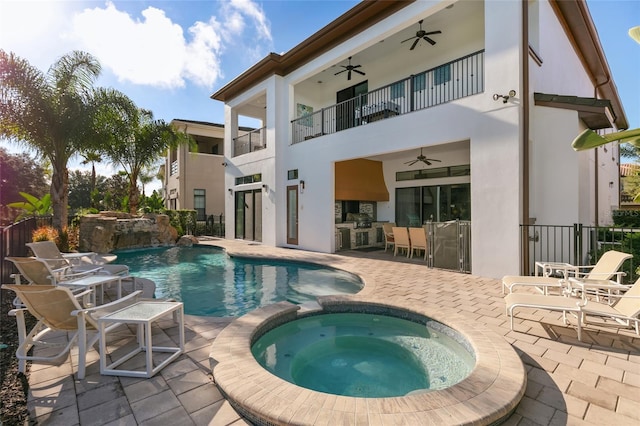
{"points": [[194, 179], [629, 179], [491, 108]]}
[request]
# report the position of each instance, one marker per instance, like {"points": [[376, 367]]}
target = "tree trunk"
{"points": [[133, 194], [59, 195]]}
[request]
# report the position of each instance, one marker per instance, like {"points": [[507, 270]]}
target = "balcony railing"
{"points": [[249, 142], [445, 83]]}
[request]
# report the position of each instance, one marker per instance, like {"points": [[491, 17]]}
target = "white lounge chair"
{"points": [[56, 309], [624, 311], [606, 267], [48, 250]]}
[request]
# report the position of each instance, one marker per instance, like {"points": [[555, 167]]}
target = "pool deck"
{"points": [[595, 382]]}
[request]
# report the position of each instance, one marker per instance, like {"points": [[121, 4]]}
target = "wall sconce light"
{"points": [[265, 187], [224, 164], [230, 191], [611, 184], [302, 184], [505, 98]]}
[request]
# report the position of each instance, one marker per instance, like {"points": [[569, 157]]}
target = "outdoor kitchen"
{"points": [[356, 225]]}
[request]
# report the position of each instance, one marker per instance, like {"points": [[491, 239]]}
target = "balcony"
{"points": [[445, 83], [250, 142]]}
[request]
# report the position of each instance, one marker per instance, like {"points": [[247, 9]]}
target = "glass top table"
{"points": [[142, 314]]}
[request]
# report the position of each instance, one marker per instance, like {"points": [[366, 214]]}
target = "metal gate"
{"points": [[449, 245]]}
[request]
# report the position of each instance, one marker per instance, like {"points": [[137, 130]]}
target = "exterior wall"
{"points": [[197, 170]]}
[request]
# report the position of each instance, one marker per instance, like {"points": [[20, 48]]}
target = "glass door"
{"points": [[249, 215], [292, 214]]}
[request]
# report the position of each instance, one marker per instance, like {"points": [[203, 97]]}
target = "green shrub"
{"points": [[183, 220], [626, 218]]}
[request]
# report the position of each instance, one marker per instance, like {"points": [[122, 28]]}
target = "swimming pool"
{"points": [[210, 283]]}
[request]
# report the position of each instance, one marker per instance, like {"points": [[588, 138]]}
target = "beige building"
{"points": [[194, 179]]}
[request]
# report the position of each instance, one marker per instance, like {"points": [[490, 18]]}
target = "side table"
{"points": [[143, 314]]}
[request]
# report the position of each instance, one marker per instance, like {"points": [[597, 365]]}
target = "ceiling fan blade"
{"points": [[414, 44], [429, 40], [433, 32], [410, 38], [433, 159], [339, 72], [355, 66], [427, 162], [349, 75], [359, 72], [411, 163]]}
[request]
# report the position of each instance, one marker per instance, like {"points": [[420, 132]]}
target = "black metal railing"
{"points": [[577, 244], [249, 142], [444, 83]]}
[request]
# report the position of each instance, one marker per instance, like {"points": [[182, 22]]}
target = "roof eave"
{"points": [[354, 21]]}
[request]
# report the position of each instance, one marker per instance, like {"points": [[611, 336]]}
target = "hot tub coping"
{"points": [[487, 396]]}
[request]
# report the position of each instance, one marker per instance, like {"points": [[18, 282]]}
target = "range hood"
{"points": [[360, 180]]}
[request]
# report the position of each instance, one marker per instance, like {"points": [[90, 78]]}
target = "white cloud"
{"points": [[154, 50]]}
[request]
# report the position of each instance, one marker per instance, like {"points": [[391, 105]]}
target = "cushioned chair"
{"points": [[387, 228], [401, 240], [418, 239], [48, 250], [606, 267], [56, 309], [39, 271]]}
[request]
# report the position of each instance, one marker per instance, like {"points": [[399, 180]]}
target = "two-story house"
{"points": [[417, 111], [194, 176]]}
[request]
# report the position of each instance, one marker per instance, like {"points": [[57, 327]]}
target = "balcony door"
{"points": [[346, 105]]}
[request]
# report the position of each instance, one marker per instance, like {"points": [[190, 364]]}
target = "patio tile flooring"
{"points": [[596, 382]]}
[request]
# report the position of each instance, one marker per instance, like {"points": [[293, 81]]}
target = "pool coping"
{"points": [[487, 396]]}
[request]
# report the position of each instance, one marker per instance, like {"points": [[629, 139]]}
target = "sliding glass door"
{"points": [[249, 215], [439, 203]]}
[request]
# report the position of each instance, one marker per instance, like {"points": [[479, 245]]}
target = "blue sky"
{"points": [[170, 56]]}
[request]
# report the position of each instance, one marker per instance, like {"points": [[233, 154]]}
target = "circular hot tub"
{"points": [[363, 360], [365, 355]]}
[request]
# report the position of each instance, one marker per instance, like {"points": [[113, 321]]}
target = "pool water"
{"points": [[363, 355], [210, 283]]}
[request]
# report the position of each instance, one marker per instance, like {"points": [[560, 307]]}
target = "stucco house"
{"points": [[425, 111], [194, 177]]}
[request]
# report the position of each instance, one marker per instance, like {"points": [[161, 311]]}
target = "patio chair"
{"points": [[39, 271], [418, 239], [624, 311], [605, 268], [48, 250], [387, 228], [56, 309], [401, 240]]}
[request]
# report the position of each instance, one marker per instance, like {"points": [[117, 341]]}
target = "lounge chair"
{"points": [[624, 311], [418, 239], [79, 262], [56, 309], [606, 267], [387, 228], [39, 271], [401, 240]]}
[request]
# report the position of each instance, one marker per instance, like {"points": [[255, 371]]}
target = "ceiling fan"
{"points": [[422, 34], [422, 158], [350, 68]]}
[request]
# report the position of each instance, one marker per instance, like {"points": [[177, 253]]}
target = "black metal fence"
{"points": [[577, 244]]}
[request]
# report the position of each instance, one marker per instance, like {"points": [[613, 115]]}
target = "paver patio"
{"points": [[595, 382]]}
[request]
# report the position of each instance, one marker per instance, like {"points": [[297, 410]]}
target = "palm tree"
{"points": [[49, 112], [93, 158], [139, 144]]}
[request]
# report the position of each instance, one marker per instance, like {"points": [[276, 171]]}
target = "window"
{"points": [[292, 174], [438, 172], [439, 203], [442, 74], [249, 179], [199, 203], [397, 90]]}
